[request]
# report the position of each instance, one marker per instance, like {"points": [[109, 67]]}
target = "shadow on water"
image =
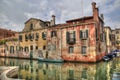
{"points": [[34, 70]]}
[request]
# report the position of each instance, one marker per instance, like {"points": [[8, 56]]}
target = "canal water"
{"points": [[34, 70]]}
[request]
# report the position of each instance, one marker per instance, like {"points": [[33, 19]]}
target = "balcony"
{"points": [[71, 41]]}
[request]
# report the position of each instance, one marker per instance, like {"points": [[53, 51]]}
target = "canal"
{"points": [[34, 70]]}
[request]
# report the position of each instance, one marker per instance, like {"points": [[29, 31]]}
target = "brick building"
{"points": [[83, 38], [4, 35]]}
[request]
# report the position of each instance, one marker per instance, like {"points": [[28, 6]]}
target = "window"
{"points": [[71, 75], [20, 38], [44, 47], [37, 36], [11, 49], [117, 32], [26, 37], [83, 34], [36, 47], [53, 47], [31, 47], [26, 49], [53, 33], [84, 73], [31, 36], [117, 37], [49, 47], [31, 26], [21, 48], [84, 49], [43, 35], [110, 37], [70, 37], [71, 49]]}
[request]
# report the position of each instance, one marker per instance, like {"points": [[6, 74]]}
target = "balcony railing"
{"points": [[71, 41]]}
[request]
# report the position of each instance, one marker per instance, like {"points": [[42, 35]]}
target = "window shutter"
{"points": [[74, 34], [55, 33], [43, 35], [81, 34], [101, 37], [67, 37], [51, 33], [32, 36], [74, 37], [96, 32], [86, 33]]}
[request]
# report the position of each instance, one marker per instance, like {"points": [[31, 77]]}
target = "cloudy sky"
{"points": [[13, 13]]}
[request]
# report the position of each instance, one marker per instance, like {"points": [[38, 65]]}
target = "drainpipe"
{"points": [[61, 41]]}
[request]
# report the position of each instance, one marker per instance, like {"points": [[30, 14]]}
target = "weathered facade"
{"points": [[5, 36], [108, 39], [83, 38], [116, 33], [4, 33], [32, 40]]}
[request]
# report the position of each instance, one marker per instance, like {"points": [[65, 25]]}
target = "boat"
{"points": [[50, 60]]}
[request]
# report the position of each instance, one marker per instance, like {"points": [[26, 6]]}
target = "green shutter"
{"points": [[67, 37], [74, 36], [96, 32], [81, 34], [87, 33]]}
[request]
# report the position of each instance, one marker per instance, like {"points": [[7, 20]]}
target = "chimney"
{"points": [[95, 12], [53, 20], [102, 17]]}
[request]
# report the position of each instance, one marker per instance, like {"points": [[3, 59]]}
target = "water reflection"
{"points": [[34, 70]]}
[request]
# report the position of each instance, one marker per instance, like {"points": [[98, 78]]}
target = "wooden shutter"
{"points": [[96, 32], [81, 34], [86, 33], [42, 35], [51, 33], [74, 37], [67, 37]]}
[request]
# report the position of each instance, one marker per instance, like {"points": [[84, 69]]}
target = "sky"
{"points": [[14, 13]]}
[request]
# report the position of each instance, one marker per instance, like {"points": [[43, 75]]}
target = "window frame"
{"points": [[84, 50], [71, 49]]}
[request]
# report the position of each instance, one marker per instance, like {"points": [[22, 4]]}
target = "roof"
{"points": [[82, 18], [107, 27], [33, 19]]}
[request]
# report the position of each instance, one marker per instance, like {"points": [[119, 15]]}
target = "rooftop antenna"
{"points": [[82, 7], [82, 10]]}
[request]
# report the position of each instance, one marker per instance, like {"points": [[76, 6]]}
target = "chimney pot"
{"points": [[102, 16], [53, 20], [93, 5]]}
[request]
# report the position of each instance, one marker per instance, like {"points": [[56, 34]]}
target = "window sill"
{"points": [[84, 55]]}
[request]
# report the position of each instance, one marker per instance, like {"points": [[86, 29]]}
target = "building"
{"points": [[116, 34], [12, 46], [83, 39], [4, 35], [108, 38], [32, 40]]}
